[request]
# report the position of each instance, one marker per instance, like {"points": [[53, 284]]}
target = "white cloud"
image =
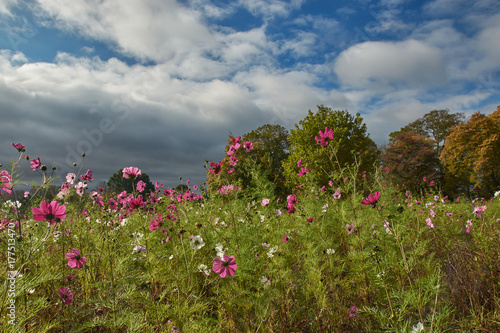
{"points": [[148, 30], [5, 6], [271, 8], [384, 66]]}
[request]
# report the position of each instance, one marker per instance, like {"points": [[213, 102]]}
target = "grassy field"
{"points": [[329, 259]]}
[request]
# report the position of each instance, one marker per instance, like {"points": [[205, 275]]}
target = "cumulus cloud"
{"points": [[390, 65]]}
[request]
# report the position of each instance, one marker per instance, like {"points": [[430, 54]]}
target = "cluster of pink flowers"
{"points": [[303, 171], [215, 168], [324, 137], [292, 201], [479, 210], [227, 189]]}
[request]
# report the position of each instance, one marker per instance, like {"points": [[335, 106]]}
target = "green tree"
{"points": [[261, 164], [350, 145], [409, 158], [435, 125], [117, 183], [472, 151]]}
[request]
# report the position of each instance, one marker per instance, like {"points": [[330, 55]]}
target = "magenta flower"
{"points": [[353, 312], [224, 267], [18, 146], [5, 182], [309, 220], [285, 239], [479, 210], [350, 228], [66, 295], [75, 259], [52, 212], [303, 171], [35, 164], [299, 163], [264, 202], [131, 172], [215, 168], [88, 176], [372, 199], [248, 146], [141, 186], [324, 137], [429, 223]]}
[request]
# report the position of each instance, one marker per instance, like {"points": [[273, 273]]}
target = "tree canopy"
{"points": [[435, 125], [411, 157], [472, 151], [117, 183], [350, 144]]}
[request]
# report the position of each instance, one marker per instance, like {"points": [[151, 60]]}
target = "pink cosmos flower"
{"points": [[248, 146], [18, 146], [299, 163], [66, 295], [215, 168], [233, 160], [479, 210], [5, 181], [285, 239], [310, 219], [75, 259], [323, 137], [265, 202], [88, 176], [230, 171], [372, 199], [131, 172], [70, 178], [429, 223], [52, 212], [141, 186], [224, 267], [350, 228], [303, 171], [35, 164], [431, 183], [353, 312]]}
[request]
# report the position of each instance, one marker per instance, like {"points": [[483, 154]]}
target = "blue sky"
{"points": [[159, 84]]}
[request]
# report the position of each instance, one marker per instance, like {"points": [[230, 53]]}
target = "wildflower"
{"points": [[197, 243], [88, 176], [66, 295], [303, 171], [156, 222], [264, 202], [432, 213], [230, 171], [424, 179], [52, 212], [418, 328], [324, 208], [233, 148], [468, 225], [5, 182], [479, 210], [285, 239], [225, 266], [323, 137], [372, 199], [429, 223], [219, 249], [265, 281], [350, 228], [35, 164], [138, 249], [431, 183], [291, 199], [299, 163], [131, 172], [69, 277], [233, 160], [272, 250], [248, 146], [18, 146], [330, 251], [80, 188], [353, 312], [215, 168], [336, 194], [141, 186], [75, 259], [387, 229], [26, 194], [310, 219]]}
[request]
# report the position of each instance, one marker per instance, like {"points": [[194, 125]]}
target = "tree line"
{"points": [[441, 150]]}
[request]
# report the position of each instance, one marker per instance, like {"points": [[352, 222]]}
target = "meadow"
{"points": [[353, 255]]}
